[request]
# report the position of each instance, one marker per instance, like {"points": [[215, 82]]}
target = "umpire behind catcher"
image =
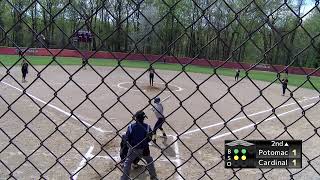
{"points": [[138, 136]]}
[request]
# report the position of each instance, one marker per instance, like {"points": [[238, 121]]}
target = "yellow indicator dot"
{"points": [[236, 158], [243, 158]]}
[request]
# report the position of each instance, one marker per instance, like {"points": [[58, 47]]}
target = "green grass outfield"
{"points": [[294, 80]]}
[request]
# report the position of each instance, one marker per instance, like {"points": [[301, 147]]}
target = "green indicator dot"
{"points": [[236, 151], [243, 151]]}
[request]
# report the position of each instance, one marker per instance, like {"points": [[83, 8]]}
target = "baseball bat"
{"points": [[163, 100]]}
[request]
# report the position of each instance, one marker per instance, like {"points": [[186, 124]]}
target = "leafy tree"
{"points": [[266, 31]]}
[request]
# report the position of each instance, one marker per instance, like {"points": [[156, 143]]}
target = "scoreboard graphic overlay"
{"points": [[263, 154]]}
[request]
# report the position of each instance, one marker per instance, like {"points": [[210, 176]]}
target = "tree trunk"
{"points": [[94, 42], [192, 35], [293, 35], [34, 37], [17, 30], [127, 30], [118, 25], [45, 24]]}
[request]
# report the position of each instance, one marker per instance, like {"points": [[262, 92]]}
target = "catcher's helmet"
{"points": [[140, 115], [157, 100]]}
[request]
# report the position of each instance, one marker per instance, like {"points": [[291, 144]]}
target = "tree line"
{"points": [[266, 31]]}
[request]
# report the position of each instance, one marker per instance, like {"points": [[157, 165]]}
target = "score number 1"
{"points": [[294, 152], [294, 162]]}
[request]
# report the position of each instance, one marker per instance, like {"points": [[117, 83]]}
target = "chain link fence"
{"points": [[88, 74]]}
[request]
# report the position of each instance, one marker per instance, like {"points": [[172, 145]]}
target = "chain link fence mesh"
{"points": [[46, 132]]}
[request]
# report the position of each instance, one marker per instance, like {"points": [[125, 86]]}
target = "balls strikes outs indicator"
{"points": [[243, 151], [236, 151], [237, 155], [243, 157]]}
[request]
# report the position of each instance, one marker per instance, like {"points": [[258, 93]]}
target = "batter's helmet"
{"points": [[140, 115], [157, 100]]}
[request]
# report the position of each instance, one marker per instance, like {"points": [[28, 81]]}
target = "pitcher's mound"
{"points": [[146, 87]]}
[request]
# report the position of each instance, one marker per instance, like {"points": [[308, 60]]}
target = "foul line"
{"points": [[243, 117], [252, 124], [58, 109], [87, 156], [178, 160]]}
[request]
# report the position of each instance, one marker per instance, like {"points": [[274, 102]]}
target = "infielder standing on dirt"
{"points": [[284, 86], [138, 136], [158, 110], [24, 70], [151, 75]]}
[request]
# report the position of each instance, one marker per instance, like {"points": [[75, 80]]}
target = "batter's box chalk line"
{"points": [[177, 161]]}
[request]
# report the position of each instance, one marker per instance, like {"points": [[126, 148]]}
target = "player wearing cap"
{"points": [[151, 75], [284, 86], [236, 77], [158, 110], [84, 62], [138, 136], [24, 70]]}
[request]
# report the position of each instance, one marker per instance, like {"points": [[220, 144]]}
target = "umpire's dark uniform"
{"points": [[138, 136]]}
